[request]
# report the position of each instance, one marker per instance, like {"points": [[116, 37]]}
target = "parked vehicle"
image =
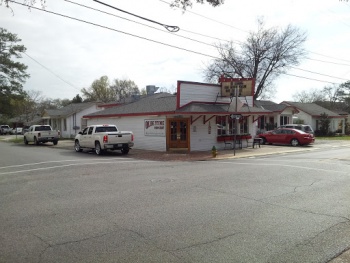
{"points": [[293, 137], [302, 127], [25, 129], [41, 134], [17, 130], [5, 129], [101, 138]]}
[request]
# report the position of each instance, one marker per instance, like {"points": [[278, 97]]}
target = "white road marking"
{"points": [[67, 165]]}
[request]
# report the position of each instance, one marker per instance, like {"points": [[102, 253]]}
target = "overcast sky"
{"points": [[66, 55]]}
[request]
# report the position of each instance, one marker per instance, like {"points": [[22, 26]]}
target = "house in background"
{"points": [[280, 114], [196, 118], [69, 119], [311, 114]]}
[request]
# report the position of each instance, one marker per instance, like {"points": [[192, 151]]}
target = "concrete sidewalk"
{"points": [[203, 155]]}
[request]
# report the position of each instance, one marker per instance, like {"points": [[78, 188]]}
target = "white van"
{"points": [[302, 127]]}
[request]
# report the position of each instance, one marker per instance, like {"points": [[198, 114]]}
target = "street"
{"points": [[61, 206]]}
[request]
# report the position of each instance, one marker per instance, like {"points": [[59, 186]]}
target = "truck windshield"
{"points": [[106, 129], [43, 128]]}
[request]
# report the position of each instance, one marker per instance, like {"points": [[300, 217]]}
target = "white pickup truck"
{"points": [[101, 138], [40, 134]]}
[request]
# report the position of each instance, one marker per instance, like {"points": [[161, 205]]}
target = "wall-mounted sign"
{"points": [[155, 127]]}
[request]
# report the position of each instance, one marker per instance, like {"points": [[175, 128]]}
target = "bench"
{"points": [[255, 141]]}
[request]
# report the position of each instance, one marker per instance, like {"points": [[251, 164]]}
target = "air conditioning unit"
{"points": [[151, 89]]}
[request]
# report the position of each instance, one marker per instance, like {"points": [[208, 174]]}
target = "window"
{"points": [[106, 129], [85, 131], [244, 128], [284, 120], [65, 124], [90, 130], [221, 125]]}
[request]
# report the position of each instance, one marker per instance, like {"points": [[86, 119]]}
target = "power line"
{"points": [[319, 73], [133, 21], [154, 41], [329, 56], [167, 27], [51, 71], [112, 29], [329, 62], [309, 78], [209, 18], [198, 41], [248, 32]]}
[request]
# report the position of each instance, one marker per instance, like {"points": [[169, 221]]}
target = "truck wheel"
{"points": [[77, 146], [55, 142], [125, 150], [25, 141], [98, 149]]}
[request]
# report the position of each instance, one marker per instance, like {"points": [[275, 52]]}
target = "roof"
{"points": [[165, 103], [270, 105], [218, 108], [311, 108], [70, 109], [155, 103]]}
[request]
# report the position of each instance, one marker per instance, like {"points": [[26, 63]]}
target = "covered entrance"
{"points": [[178, 134]]}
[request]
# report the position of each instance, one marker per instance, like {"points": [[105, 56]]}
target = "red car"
{"points": [[293, 137]]}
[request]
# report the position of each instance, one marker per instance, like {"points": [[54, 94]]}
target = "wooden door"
{"points": [[178, 134]]}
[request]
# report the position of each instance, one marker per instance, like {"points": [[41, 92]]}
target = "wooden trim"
{"points": [[205, 121], [193, 121]]}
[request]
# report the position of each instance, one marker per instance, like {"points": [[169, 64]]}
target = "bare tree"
{"points": [[264, 56], [26, 2], [184, 4], [309, 96]]}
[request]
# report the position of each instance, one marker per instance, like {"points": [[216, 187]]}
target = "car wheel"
{"points": [[55, 142], [36, 141], [98, 149], [125, 150], [263, 140], [77, 146], [294, 142], [25, 141]]}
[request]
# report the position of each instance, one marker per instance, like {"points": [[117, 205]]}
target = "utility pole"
{"points": [[236, 86]]}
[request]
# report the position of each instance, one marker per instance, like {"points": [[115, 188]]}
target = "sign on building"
{"points": [[155, 127]]}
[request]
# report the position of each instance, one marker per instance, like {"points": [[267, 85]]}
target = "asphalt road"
{"points": [[61, 206]]}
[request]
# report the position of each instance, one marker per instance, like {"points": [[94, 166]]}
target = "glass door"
{"points": [[178, 133]]}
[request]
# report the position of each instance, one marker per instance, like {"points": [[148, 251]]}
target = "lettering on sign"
{"points": [[155, 127]]}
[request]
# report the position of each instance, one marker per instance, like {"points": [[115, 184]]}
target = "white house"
{"points": [[198, 117], [310, 113], [69, 119]]}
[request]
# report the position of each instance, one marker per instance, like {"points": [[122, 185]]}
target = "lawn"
{"points": [[335, 138]]}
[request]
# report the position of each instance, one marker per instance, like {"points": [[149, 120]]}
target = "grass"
{"points": [[15, 140], [334, 138]]}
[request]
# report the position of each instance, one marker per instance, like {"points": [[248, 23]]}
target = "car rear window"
{"points": [[106, 129], [43, 128]]}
